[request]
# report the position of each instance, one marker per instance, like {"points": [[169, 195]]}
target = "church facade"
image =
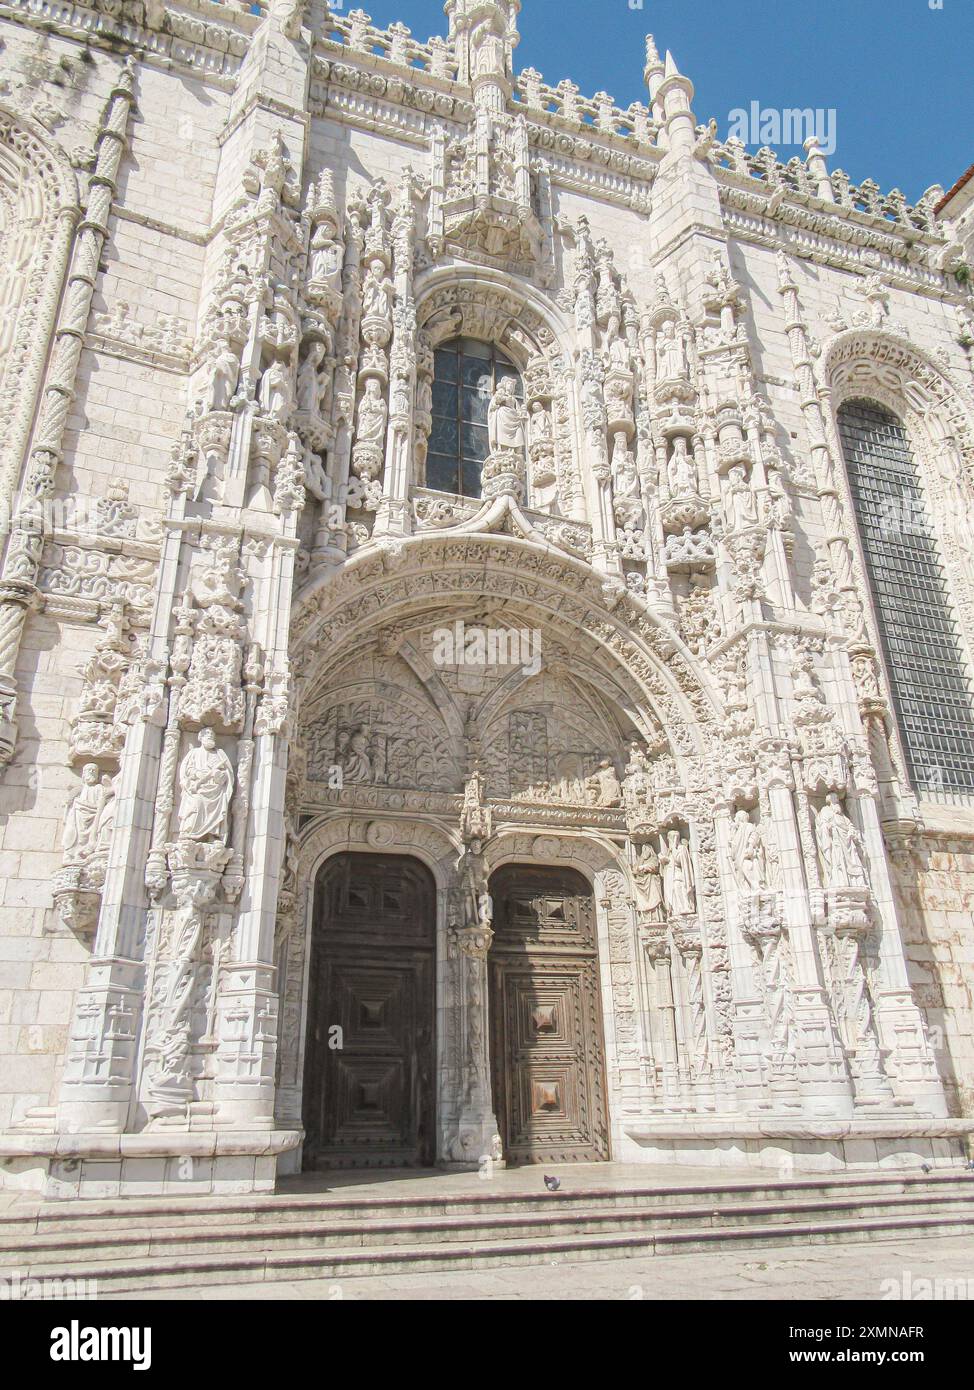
{"points": [[486, 617]]}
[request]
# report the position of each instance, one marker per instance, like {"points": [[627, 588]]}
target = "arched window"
{"points": [[932, 692], [465, 373]]}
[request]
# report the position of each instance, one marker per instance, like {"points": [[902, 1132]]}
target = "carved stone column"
{"points": [[477, 1136], [21, 566], [825, 1084], [654, 937]]}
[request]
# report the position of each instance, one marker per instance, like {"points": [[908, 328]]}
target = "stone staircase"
{"points": [[145, 1247]]}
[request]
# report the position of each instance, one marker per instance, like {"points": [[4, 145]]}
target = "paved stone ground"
{"points": [[821, 1272]]}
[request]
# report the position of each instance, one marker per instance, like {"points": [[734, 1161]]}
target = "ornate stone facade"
{"points": [[242, 632]]}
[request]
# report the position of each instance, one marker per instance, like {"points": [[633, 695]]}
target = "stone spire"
{"points": [[484, 36], [673, 93], [654, 69]]}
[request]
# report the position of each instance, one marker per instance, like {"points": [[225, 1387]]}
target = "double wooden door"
{"points": [[547, 1062], [369, 1061]]}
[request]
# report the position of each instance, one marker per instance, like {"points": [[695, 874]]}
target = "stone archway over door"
{"points": [[369, 1091], [547, 1051]]}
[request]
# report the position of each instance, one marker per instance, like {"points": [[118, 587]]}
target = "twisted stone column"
{"points": [[18, 583]]}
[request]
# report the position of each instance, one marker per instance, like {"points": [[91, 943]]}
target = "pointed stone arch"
{"points": [[651, 672], [938, 415], [464, 301]]}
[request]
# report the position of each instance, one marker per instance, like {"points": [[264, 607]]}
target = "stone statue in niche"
{"points": [[424, 395], [275, 395], [681, 470], [327, 255], [616, 344], [649, 887], [377, 293], [81, 820], [541, 445], [487, 49], [779, 503], [106, 816], [476, 820], [540, 431], [472, 880], [679, 890], [671, 362], [225, 372], [625, 481], [840, 847], [741, 509], [310, 386], [637, 785], [505, 418], [372, 415], [206, 785], [748, 855]]}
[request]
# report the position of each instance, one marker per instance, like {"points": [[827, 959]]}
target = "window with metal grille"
{"points": [[465, 374], [932, 692]]}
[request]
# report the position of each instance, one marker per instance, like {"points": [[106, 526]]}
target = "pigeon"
{"points": [[970, 1165], [552, 1184], [926, 1167]]}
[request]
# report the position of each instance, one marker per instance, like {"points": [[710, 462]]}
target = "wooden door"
{"points": [[369, 1086], [546, 1019]]}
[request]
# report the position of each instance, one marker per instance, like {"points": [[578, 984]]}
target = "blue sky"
{"points": [[897, 73]]}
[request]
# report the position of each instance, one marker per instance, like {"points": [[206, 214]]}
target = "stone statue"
{"points": [[840, 846], [681, 471], [225, 372], [671, 362], [637, 785], [625, 478], [646, 877], [356, 762], [606, 785], [206, 785], [275, 395], [106, 816], [472, 877], [618, 347], [377, 293], [485, 908], [540, 431], [81, 819], [475, 817], [487, 50], [506, 418], [748, 855], [327, 255], [678, 880], [778, 500], [309, 381], [741, 510], [372, 415]]}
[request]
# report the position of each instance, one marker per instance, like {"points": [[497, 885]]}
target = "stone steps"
{"points": [[159, 1246], [321, 1233], [174, 1211]]}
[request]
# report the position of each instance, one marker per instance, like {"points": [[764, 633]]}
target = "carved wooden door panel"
{"points": [[546, 1018], [369, 1102]]}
